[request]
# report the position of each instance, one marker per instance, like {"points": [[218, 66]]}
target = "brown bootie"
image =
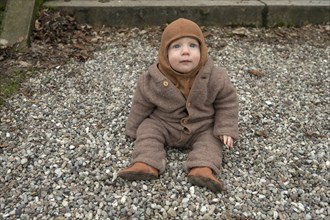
{"points": [[139, 171], [203, 176]]}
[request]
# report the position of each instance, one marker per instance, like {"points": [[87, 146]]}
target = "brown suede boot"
{"points": [[139, 171], [203, 176]]}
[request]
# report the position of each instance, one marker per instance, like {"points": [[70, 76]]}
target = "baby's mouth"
{"points": [[185, 61]]}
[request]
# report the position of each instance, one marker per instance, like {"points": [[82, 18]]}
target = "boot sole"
{"points": [[206, 182], [136, 176]]}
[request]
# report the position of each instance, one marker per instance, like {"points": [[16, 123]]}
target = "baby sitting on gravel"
{"points": [[182, 101]]}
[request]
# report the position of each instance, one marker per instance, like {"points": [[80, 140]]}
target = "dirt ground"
{"points": [[58, 39]]}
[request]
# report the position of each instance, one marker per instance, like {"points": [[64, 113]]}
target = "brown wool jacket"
{"points": [[212, 101]]}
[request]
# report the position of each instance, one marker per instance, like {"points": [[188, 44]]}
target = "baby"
{"points": [[183, 100]]}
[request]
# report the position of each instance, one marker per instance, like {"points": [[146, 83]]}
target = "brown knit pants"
{"points": [[152, 136]]}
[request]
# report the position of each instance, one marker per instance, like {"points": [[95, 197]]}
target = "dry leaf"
{"points": [[24, 64], [261, 133], [312, 134], [256, 72], [241, 31], [3, 42]]}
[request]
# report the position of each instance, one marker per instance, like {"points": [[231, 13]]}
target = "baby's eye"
{"points": [[192, 45], [176, 46]]}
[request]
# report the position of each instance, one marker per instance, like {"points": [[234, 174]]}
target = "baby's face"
{"points": [[184, 54]]}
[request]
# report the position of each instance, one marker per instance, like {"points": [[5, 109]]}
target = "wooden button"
{"points": [[165, 83]]}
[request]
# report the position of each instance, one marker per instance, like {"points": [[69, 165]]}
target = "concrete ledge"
{"points": [[297, 13], [210, 12], [18, 22], [144, 13]]}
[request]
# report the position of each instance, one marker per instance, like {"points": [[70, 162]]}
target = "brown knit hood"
{"points": [[175, 30]]}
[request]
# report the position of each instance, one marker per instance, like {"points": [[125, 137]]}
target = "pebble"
{"points": [[203, 209], [24, 161], [65, 203], [171, 212]]}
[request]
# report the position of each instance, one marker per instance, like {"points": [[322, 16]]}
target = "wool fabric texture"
{"points": [[175, 30], [213, 102]]}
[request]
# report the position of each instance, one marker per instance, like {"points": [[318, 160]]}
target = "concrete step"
{"points": [[18, 22], [259, 13]]}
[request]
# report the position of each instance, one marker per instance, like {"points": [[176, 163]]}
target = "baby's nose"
{"points": [[185, 49]]}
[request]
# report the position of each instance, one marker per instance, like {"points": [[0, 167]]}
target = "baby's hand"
{"points": [[228, 141]]}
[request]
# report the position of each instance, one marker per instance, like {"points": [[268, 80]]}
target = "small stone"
{"points": [[207, 217], [294, 216], [58, 172], [80, 201], [164, 215], [24, 161], [192, 190], [148, 211], [261, 196], [301, 206], [123, 200], [71, 147], [23, 217], [308, 216], [89, 216], [185, 202], [268, 102], [65, 203], [203, 209], [171, 212]]}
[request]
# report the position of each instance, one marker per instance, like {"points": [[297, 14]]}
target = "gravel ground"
{"points": [[62, 138]]}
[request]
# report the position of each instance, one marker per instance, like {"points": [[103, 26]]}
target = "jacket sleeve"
{"points": [[226, 109], [141, 108]]}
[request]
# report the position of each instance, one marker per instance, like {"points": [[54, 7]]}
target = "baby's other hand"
{"points": [[228, 141]]}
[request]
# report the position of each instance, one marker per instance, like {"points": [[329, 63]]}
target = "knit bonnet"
{"points": [[175, 30]]}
